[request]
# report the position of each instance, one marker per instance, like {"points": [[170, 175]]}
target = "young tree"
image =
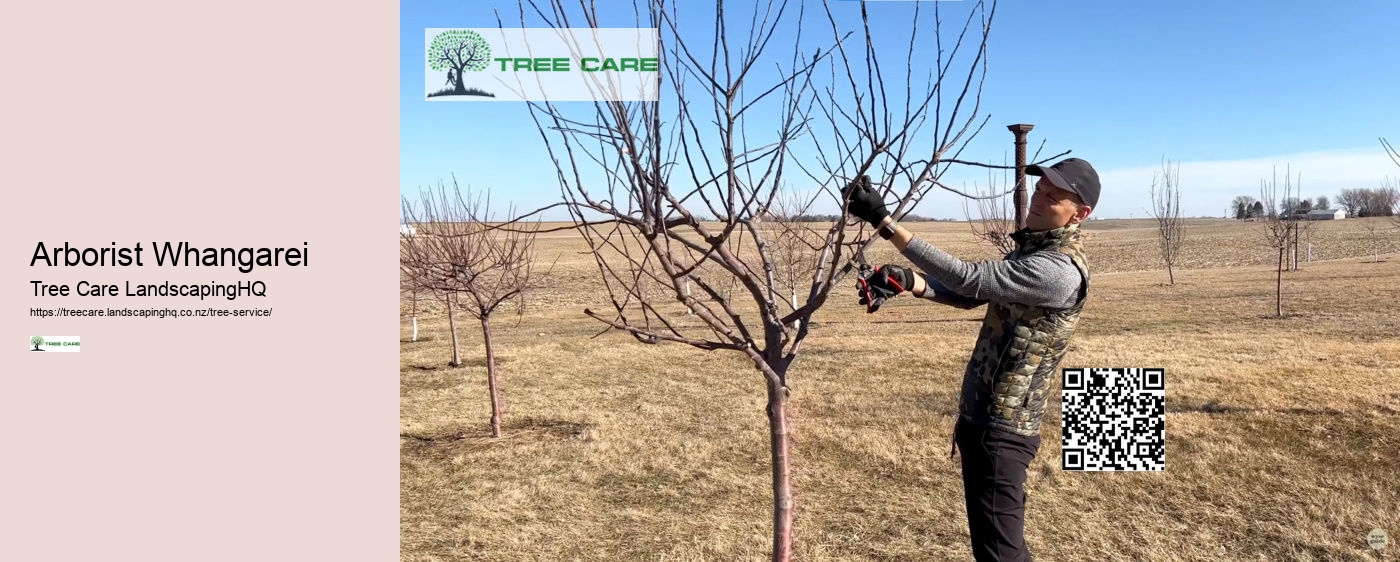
{"points": [[996, 219], [1278, 229], [407, 288], [1302, 232], [733, 123], [407, 284], [457, 252], [1165, 193], [421, 271], [795, 243], [1377, 239]]}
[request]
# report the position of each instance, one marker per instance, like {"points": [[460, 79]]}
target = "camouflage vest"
{"points": [[1020, 347]]}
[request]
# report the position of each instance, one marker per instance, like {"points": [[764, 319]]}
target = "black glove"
{"points": [[881, 284], [864, 202]]}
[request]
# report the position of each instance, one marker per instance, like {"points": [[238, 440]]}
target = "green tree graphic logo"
{"points": [[457, 51], [36, 341]]}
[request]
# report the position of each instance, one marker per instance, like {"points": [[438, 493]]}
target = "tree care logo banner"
{"points": [[49, 344], [542, 64]]}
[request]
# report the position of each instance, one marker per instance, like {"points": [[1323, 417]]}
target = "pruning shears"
{"points": [[863, 274]]}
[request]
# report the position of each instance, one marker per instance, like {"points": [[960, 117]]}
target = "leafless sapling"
{"points": [[407, 288], [794, 241], [733, 123], [1279, 228], [995, 219], [478, 268], [1165, 193]]}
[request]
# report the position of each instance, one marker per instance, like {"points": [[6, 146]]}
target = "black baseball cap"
{"points": [[1074, 175]]}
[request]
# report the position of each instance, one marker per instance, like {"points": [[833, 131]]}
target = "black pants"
{"points": [[994, 466]]}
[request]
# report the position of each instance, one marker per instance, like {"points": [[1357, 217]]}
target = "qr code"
{"points": [[1114, 419]]}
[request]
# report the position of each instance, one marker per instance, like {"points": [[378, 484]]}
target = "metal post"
{"points": [[1021, 200]]}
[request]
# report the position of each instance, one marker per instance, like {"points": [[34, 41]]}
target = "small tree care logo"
{"points": [[541, 64], [458, 51], [68, 344]]}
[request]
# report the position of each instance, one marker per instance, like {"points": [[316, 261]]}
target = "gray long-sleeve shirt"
{"points": [[1047, 279]]}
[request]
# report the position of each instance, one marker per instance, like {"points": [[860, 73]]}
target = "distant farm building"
{"points": [[406, 230], [1326, 214]]}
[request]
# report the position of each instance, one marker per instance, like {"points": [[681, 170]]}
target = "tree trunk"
{"points": [[1278, 295], [452, 326], [491, 379], [459, 87], [1171, 278], [782, 481], [1297, 241]]}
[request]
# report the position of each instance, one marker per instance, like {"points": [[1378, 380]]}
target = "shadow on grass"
{"points": [[469, 362], [421, 339], [1215, 407], [474, 437], [481, 361], [920, 321], [1286, 316]]}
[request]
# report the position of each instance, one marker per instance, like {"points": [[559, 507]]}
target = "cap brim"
{"points": [[1051, 174]]}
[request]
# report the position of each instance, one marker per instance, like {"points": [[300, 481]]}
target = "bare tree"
{"points": [[1351, 200], [1279, 229], [407, 283], [794, 241], [456, 252], [1370, 201], [1388, 201], [733, 123], [409, 289], [1165, 193], [995, 219], [420, 272], [1377, 238], [1302, 233]]}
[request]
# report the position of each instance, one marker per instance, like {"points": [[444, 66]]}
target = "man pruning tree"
{"points": [[1034, 296]]}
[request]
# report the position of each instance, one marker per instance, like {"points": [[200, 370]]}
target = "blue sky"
{"points": [[1228, 90]]}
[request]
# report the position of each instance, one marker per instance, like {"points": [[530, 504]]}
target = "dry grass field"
{"points": [[1283, 435]]}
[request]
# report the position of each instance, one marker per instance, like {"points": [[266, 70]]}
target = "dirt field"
{"points": [[1283, 435]]}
